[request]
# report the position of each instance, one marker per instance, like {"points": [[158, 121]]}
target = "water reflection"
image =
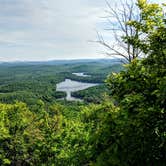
{"points": [[81, 75], [69, 86]]}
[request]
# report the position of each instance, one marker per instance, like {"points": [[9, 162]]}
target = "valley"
{"points": [[32, 81], [108, 111]]}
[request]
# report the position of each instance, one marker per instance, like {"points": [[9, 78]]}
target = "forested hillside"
{"points": [[126, 128], [28, 82]]}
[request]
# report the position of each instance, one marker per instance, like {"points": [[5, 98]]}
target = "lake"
{"points": [[69, 86], [81, 75]]}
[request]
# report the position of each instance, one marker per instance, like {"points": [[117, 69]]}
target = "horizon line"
{"points": [[72, 59]]}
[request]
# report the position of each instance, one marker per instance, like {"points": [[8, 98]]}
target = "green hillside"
{"points": [[121, 122]]}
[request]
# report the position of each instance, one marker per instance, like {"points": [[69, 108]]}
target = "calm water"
{"points": [[81, 74], [69, 86]]}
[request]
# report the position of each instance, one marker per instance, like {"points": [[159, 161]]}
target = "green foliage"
{"points": [[18, 132], [31, 82], [151, 17], [142, 114], [92, 95], [25, 136], [139, 92], [127, 128]]}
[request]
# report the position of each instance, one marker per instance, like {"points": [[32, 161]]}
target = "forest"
{"points": [[121, 122], [28, 82]]}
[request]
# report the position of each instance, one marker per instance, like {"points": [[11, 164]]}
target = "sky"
{"points": [[41, 30]]}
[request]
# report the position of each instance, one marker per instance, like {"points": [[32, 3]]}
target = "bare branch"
{"points": [[118, 19]]}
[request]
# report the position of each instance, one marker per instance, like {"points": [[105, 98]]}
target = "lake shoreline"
{"points": [[68, 86]]}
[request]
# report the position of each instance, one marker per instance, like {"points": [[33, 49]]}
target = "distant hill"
{"points": [[61, 62]]}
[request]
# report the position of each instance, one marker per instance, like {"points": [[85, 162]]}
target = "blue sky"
{"points": [[50, 29]]}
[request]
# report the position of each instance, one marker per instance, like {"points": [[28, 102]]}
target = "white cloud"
{"points": [[59, 28], [50, 29]]}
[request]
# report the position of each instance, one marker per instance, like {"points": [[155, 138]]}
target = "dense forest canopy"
{"points": [[127, 128], [28, 82]]}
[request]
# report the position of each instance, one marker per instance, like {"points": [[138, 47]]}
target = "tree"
{"points": [[19, 134], [140, 95], [124, 35], [131, 23], [152, 19]]}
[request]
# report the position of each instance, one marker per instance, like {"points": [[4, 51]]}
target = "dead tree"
{"points": [[125, 37]]}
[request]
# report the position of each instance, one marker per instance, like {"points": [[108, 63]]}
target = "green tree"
{"points": [[19, 134], [135, 132], [140, 94]]}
